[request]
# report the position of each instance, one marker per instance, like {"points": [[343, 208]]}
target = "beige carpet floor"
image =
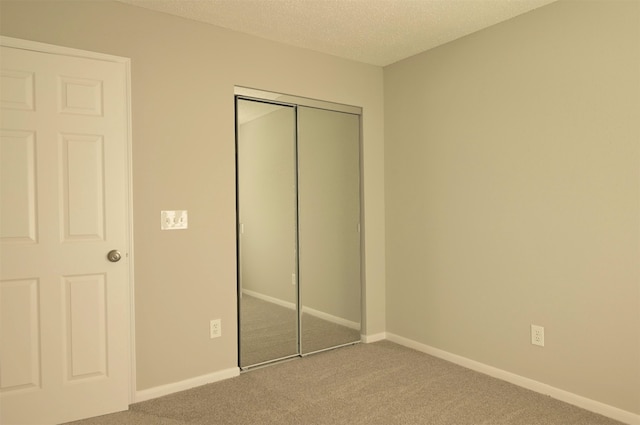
{"points": [[380, 383]]}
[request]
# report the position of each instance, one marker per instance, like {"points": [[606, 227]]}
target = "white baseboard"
{"points": [[175, 387], [562, 395], [374, 338]]}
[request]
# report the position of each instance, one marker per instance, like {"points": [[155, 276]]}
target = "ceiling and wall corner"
{"points": [[376, 32]]}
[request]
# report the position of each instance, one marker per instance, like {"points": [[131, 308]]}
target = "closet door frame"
{"points": [[279, 99]]}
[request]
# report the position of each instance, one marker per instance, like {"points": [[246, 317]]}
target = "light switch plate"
{"points": [[174, 220]]}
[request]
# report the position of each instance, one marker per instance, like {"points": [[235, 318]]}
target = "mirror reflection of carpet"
{"points": [[269, 332]]}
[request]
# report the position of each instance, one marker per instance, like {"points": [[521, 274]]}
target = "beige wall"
{"points": [[512, 191], [183, 74]]}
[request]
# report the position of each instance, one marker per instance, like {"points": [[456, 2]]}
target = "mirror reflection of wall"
{"points": [[298, 197]]}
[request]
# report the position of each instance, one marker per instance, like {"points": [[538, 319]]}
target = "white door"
{"points": [[65, 308]]}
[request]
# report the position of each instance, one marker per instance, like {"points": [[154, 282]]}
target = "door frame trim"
{"points": [[126, 62]]}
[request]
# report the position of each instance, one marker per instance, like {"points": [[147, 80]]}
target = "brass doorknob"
{"points": [[114, 256]]}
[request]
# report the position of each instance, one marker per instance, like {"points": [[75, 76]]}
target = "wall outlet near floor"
{"points": [[537, 335], [215, 328]]}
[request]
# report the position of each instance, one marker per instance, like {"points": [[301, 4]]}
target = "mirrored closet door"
{"points": [[267, 239], [329, 220], [298, 207]]}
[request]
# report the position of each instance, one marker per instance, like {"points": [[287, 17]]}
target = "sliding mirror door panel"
{"points": [[267, 225], [329, 228]]}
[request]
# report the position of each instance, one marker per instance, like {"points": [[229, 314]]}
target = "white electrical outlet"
{"points": [[537, 335], [215, 328]]}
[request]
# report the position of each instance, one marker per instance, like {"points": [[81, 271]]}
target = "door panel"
{"points": [[17, 150], [21, 331], [329, 237], [64, 327], [17, 90], [267, 232], [82, 194], [85, 327]]}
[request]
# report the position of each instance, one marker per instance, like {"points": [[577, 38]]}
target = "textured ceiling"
{"points": [[377, 32]]}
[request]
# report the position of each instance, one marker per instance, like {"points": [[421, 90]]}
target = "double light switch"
{"points": [[173, 220]]}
